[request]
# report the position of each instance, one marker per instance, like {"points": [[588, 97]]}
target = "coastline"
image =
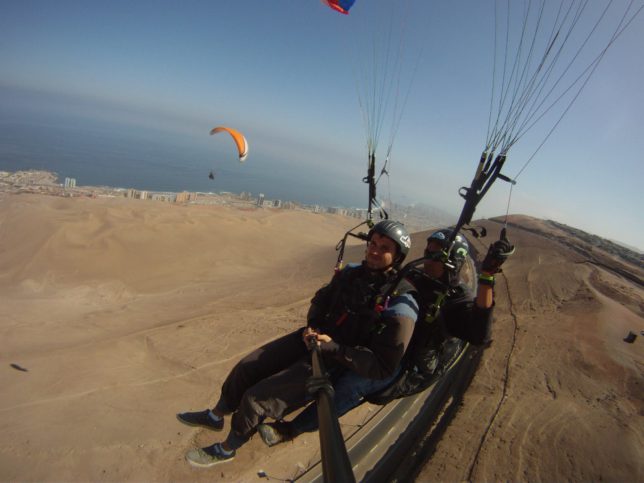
{"points": [[47, 183]]}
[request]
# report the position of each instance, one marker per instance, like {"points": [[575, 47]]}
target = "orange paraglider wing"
{"points": [[240, 140]]}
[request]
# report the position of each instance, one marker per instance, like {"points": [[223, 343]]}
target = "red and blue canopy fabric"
{"points": [[341, 6]]}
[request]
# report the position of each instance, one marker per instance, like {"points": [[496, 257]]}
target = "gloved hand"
{"points": [[498, 253]]}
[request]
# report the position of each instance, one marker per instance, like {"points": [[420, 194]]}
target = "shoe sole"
{"points": [[198, 425], [196, 464], [263, 436]]}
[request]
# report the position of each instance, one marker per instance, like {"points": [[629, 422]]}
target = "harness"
{"points": [[439, 293], [365, 295], [422, 357], [383, 299], [434, 309]]}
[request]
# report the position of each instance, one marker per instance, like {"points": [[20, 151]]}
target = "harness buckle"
{"points": [[382, 307]]}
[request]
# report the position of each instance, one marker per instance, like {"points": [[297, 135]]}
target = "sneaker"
{"points": [[208, 456], [201, 418], [275, 433]]}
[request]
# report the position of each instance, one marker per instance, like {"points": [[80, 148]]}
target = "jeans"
{"points": [[349, 392]]}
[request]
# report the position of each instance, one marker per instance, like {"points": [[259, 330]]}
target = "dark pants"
{"points": [[271, 382], [268, 382]]}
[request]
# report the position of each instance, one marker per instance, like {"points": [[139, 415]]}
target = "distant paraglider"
{"points": [[240, 141], [341, 6]]}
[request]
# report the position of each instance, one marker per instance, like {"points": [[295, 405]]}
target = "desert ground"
{"points": [[117, 314]]}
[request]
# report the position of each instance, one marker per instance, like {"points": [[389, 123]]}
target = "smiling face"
{"points": [[381, 252]]}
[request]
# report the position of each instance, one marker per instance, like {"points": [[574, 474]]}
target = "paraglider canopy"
{"points": [[341, 6], [240, 140]]}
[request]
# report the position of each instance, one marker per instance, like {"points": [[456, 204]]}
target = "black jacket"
{"points": [[445, 312], [370, 335]]}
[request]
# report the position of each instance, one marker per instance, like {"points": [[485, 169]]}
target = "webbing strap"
{"points": [[435, 308]]}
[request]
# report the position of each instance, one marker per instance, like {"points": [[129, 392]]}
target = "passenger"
{"points": [[362, 340], [447, 305]]}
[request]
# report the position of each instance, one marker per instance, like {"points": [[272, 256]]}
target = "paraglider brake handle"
{"points": [[361, 235]]}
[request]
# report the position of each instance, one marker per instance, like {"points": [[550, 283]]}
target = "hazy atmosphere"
{"points": [[125, 94]]}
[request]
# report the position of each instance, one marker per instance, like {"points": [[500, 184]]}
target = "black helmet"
{"points": [[397, 232], [458, 251]]}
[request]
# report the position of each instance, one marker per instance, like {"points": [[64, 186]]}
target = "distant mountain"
{"points": [[629, 247], [599, 251], [619, 250]]}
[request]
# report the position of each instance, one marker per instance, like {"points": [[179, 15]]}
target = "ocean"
{"points": [[126, 155]]}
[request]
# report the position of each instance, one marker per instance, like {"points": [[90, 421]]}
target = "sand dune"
{"points": [[124, 313]]}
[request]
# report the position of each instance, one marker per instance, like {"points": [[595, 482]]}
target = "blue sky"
{"points": [[288, 75]]}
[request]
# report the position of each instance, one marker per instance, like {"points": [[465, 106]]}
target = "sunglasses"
{"points": [[434, 254]]}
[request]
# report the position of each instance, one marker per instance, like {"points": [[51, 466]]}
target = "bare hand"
{"points": [[311, 335], [323, 338]]}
